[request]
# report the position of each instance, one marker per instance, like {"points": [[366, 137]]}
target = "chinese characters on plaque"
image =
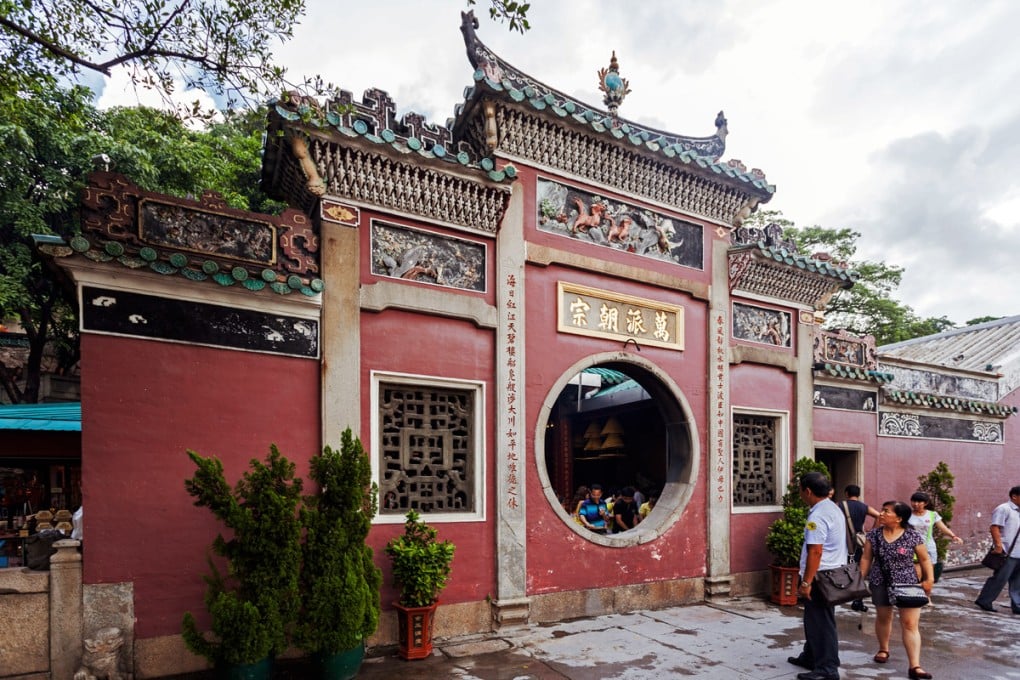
{"points": [[604, 314]]}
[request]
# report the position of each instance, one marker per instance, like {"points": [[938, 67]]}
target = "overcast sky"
{"points": [[897, 119]]}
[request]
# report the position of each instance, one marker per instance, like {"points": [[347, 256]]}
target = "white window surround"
{"points": [[410, 379], [783, 464]]}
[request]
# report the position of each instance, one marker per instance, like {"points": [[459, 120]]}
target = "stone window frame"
{"points": [[783, 464], [477, 387]]}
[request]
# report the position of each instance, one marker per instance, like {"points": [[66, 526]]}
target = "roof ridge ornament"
{"points": [[615, 87]]}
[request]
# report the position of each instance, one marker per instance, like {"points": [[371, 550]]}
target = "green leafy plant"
{"points": [[421, 563], [785, 536], [251, 606], [339, 581], [938, 484]]}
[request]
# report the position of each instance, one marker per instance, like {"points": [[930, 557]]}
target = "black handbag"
{"points": [[902, 595], [841, 584], [996, 561], [907, 595]]}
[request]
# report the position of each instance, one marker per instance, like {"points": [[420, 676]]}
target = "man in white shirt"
{"points": [[824, 548], [1004, 530]]}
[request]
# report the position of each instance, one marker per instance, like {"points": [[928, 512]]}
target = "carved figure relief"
{"points": [[206, 232], [426, 257], [588, 217], [760, 324]]}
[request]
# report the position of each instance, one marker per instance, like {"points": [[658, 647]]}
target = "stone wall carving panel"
{"points": [[929, 427], [592, 218], [426, 257], [761, 324], [827, 396], [842, 347]]}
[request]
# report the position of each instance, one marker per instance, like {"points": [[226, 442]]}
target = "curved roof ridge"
{"points": [[500, 73]]}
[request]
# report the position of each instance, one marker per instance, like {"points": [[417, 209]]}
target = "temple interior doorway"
{"points": [[844, 466]]}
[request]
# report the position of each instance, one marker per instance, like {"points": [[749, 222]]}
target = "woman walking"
{"points": [[925, 521], [889, 558]]}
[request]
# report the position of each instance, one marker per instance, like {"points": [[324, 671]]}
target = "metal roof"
{"points": [[55, 417], [989, 347]]}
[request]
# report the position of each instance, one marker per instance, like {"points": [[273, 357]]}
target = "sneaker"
{"points": [[858, 606]]}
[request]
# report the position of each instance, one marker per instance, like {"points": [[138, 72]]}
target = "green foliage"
{"points": [[255, 602], [339, 581], [514, 13], [785, 536], [421, 564], [868, 308], [220, 47], [938, 484]]}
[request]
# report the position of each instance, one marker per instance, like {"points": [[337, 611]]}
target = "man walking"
{"points": [[858, 511], [1004, 530], [824, 548]]}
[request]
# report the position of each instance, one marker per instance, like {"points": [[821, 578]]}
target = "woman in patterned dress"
{"points": [[890, 549]]}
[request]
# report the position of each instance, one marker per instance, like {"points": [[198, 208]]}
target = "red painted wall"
{"points": [[765, 387], [406, 342], [680, 552], [143, 404]]}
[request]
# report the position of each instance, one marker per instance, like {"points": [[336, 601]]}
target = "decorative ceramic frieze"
{"points": [[931, 427], [930, 381], [158, 318], [426, 257], [614, 316], [551, 144], [358, 175], [761, 324], [844, 398], [614, 224]]}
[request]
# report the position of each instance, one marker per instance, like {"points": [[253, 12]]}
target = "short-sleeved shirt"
{"points": [[590, 510], [826, 525], [858, 513], [1007, 518], [898, 557], [925, 525]]}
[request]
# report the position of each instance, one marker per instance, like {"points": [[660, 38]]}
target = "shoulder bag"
{"points": [[842, 584], [996, 561], [860, 538], [902, 595]]}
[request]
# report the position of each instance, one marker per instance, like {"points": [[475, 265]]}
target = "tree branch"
{"points": [[52, 47]]}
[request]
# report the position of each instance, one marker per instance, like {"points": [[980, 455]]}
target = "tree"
{"points": [[223, 48], [869, 307], [51, 136]]}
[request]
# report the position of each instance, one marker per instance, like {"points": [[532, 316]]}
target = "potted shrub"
{"points": [[252, 605], [785, 537], [339, 581], [421, 567]]}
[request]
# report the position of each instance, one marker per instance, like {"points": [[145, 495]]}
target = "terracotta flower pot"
{"points": [[783, 582], [415, 630]]}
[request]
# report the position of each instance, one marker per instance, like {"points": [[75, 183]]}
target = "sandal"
{"points": [[918, 673], [881, 657]]}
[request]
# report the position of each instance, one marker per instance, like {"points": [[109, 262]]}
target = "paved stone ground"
{"points": [[740, 639]]}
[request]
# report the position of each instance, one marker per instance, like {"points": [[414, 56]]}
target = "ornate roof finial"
{"points": [[615, 87]]}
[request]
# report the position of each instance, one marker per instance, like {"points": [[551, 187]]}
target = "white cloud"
{"points": [[120, 90], [894, 119]]}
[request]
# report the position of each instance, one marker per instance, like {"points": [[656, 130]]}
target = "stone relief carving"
{"points": [[588, 217], [760, 324], [843, 347], [426, 257], [101, 658], [902, 424], [932, 382], [205, 232]]}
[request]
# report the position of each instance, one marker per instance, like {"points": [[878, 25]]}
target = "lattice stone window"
{"points": [[428, 448], [758, 454]]}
